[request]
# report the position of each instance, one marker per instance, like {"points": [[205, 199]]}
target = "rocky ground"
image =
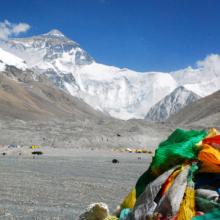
{"points": [[62, 182], [102, 134]]}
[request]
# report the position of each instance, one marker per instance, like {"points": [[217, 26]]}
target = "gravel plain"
{"points": [[61, 183]]}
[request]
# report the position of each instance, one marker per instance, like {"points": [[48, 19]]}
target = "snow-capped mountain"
{"points": [[171, 104], [7, 59], [122, 93]]}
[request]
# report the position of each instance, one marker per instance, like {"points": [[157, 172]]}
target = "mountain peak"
{"points": [[171, 104], [55, 32]]}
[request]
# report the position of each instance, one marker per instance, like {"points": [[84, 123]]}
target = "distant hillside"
{"points": [[202, 113], [37, 100]]}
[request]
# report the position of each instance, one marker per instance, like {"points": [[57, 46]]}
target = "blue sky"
{"points": [[144, 35]]}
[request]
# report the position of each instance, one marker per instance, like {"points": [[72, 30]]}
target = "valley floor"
{"points": [[62, 182]]}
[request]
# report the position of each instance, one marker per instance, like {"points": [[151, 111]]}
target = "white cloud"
{"points": [[8, 29], [210, 63]]}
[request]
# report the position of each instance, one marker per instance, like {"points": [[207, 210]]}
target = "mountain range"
{"points": [[120, 93]]}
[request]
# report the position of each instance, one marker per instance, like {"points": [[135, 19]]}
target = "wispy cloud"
{"points": [[210, 63], [8, 29]]}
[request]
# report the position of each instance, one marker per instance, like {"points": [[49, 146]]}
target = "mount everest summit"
{"points": [[122, 93]]}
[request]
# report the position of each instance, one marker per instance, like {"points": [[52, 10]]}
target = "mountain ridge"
{"points": [[123, 93]]}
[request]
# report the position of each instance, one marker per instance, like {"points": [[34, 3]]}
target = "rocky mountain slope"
{"points": [[202, 113], [39, 101], [26, 95], [171, 104]]}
